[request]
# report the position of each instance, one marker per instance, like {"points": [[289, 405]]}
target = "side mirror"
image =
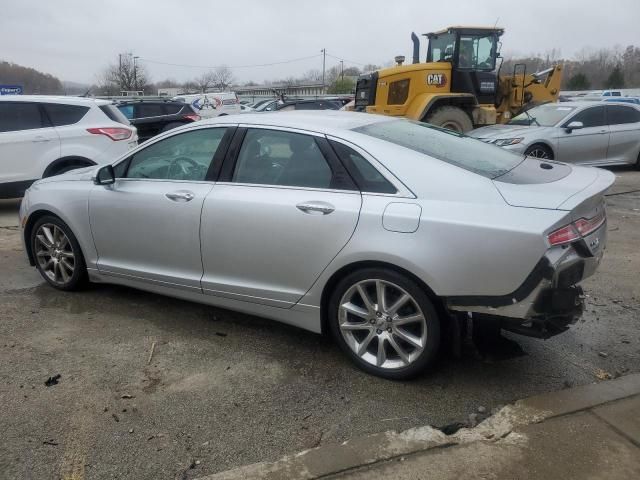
{"points": [[105, 176], [574, 126]]}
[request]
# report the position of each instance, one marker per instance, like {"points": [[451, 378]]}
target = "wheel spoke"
{"points": [[56, 271], [43, 253], [409, 338], [410, 319], [63, 272], [67, 265], [365, 298], [44, 241], [355, 326], [66, 254], [404, 298], [401, 353], [47, 233], [380, 292], [355, 310], [381, 357], [64, 241], [362, 347]]}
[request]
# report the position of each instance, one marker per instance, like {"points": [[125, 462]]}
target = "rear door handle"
{"points": [[319, 207], [180, 196], [40, 139]]}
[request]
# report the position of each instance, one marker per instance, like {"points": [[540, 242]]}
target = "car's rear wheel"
{"points": [[57, 254], [539, 151], [385, 322]]}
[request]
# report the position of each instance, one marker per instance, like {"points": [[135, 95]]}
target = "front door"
{"points": [[147, 224], [281, 216], [588, 144]]}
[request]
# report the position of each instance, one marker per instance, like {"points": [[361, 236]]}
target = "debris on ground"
{"points": [[50, 442], [115, 417], [127, 396], [53, 380], [153, 347], [602, 374], [603, 354], [221, 334]]}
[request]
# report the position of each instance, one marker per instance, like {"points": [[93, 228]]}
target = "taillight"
{"points": [[576, 230], [114, 133], [192, 116]]}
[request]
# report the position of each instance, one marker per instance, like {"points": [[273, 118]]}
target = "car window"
{"points": [[172, 108], [366, 176], [542, 115], [591, 117], [186, 156], [126, 110], [309, 106], [445, 145], [618, 115], [15, 116], [272, 157], [61, 115], [114, 114], [287, 108], [144, 110]]}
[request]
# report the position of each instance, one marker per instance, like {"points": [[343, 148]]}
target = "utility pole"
{"points": [[120, 71], [342, 70], [135, 73], [324, 58]]}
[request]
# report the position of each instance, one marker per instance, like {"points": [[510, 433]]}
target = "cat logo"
{"points": [[437, 79]]}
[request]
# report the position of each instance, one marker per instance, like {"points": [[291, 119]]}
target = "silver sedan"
{"points": [[585, 133], [383, 232]]}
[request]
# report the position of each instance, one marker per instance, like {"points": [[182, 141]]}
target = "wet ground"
{"points": [[224, 389]]}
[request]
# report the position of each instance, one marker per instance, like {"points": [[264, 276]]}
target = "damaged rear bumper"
{"points": [[550, 299]]}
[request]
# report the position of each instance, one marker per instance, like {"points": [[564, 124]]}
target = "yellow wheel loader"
{"points": [[458, 87]]}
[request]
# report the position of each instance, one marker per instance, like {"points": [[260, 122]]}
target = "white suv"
{"points": [[41, 136]]}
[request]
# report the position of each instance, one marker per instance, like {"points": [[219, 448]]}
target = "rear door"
{"points": [[281, 211], [586, 145], [624, 141], [28, 142]]}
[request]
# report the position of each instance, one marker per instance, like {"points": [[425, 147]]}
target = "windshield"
{"points": [[477, 52], [542, 115], [441, 48], [451, 147]]}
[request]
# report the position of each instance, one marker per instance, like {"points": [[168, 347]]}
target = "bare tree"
{"points": [[223, 77], [122, 76], [205, 81]]}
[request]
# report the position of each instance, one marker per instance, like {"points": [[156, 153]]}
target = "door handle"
{"points": [[320, 207], [180, 196], [40, 139]]}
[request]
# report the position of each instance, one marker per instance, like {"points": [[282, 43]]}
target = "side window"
{"points": [[144, 110], [398, 92], [365, 175], [308, 106], [127, 110], [186, 156], [619, 115], [591, 117], [272, 157], [172, 109], [61, 115], [16, 116]]}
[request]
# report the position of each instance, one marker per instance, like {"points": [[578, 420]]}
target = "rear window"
{"points": [[172, 108], [61, 114], [145, 110], [451, 147], [619, 115], [15, 116], [114, 114]]}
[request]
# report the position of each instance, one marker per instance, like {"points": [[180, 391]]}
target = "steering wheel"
{"points": [[185, 165]]}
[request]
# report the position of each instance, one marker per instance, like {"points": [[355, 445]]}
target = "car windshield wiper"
{"points": [[531, 119]]}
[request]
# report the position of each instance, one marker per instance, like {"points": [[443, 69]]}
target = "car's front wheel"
{"points": [[385, 322], [57, 254]]}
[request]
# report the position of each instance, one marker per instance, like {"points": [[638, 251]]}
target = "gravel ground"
{"points": [[224, 389]]}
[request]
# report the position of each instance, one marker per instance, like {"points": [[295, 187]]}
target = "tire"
{"points": [[451, 118], [171, 126], [637, 165], [540, 151], [57, 254], [359, 334]]}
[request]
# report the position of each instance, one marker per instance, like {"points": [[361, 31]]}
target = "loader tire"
{"points": [[451, 118]]}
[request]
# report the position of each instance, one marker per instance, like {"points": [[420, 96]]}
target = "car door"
{"points": [[624, 141], [282, 210], [147, 224], [28, 142], [148, 119], [588, 144]]}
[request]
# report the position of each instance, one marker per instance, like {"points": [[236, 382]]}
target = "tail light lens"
{"points": [[114, 133], [576, 230], [192, 116]]}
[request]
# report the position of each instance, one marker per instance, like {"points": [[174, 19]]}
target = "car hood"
{"points": [[505, 131], [85, 173]]}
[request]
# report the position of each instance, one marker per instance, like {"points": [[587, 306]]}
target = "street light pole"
{"points": [[135, 73], [324, 58], [342, 70]]}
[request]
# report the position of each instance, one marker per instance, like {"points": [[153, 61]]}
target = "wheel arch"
{"points": [[544, 143], [359, 265], [72, 160], [463, 102], [28, 229]]}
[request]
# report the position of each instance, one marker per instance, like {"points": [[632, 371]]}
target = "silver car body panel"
{"points": [[250, 248]]}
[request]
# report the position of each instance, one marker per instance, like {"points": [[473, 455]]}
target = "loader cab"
{"points": [[472, 53]]}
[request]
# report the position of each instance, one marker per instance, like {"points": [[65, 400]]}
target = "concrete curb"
{"points": [[331, 459]]}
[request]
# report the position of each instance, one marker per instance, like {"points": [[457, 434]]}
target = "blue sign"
{"points": [[10, 89]]}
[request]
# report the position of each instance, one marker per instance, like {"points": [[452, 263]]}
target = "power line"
{"points": [[346, 60], [230, 66]]}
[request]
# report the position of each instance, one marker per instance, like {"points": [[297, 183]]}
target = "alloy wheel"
{"points": [[538, 153], [54, 253], [382, 324]]}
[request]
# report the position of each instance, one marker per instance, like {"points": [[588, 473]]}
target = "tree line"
{"points": [[31, 80]]}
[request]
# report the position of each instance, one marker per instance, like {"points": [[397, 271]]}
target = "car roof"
{"points": [[324, 121], [55, 99]]}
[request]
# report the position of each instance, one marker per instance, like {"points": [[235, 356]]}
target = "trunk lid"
{"points": [[552, 185]]}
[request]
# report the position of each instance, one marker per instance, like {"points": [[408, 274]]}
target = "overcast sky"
{"points": [[74, 39]]}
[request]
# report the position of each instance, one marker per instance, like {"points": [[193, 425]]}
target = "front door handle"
{"points": [[319, 207], [180, 196], [40, 139]]}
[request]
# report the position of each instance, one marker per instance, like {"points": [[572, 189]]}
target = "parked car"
{"points": [[319, 104], [378, 230], [42, 136], [634, 100], [268, 106], [587, 133], [246, 109], [152, 117], [209, 105]]}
